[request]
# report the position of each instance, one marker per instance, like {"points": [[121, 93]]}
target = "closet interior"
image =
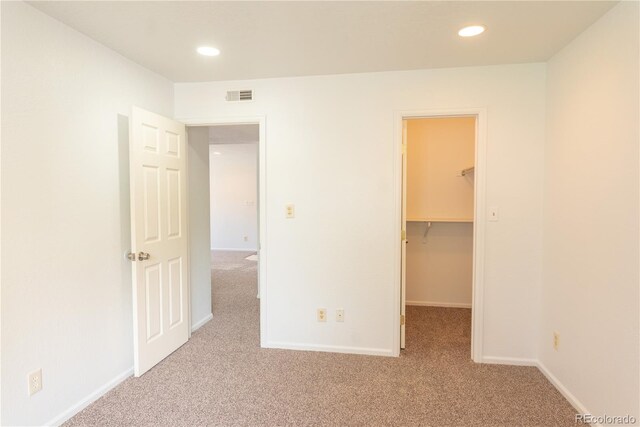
{"points": [[440, 172]]}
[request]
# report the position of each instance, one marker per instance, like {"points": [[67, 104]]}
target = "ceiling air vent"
{"points": [[239, 95]]}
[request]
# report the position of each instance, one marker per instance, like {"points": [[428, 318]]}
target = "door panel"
{"points": [[158, 221], [150, 138], [173, 203], [153, 297], [151, 191], [173, 144], [175, 292]]}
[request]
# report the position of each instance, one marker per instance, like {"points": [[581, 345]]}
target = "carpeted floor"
{"points": [[222, 377]]}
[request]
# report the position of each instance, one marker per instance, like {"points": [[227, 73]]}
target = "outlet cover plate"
{"points": [[35, 382]]}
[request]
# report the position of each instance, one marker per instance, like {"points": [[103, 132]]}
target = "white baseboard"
{"points": [[200, 323], [515, 361], [331, 348], [563, 390], [439, 304], [101, 391], [104, 389], [92, 397], [577, 405], [235, 249]]}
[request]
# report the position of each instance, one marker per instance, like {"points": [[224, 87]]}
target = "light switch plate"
{"points": [[493, 214]]}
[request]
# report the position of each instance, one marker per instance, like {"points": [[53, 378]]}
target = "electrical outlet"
{"points": [[35, 382], [556, 341], [340, 315], [322, 315]]}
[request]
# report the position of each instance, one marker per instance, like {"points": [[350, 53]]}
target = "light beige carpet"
{"points": [[222, 377]]}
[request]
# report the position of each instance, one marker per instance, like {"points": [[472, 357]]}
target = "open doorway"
{"points": [[438, 239], [231, 201], [233, 189], [233, 169]]}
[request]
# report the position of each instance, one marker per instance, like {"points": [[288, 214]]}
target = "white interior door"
{"points": [[403, 287], [158, 237]]}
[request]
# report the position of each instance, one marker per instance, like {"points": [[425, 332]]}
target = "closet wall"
{"points": [[440, 211]]}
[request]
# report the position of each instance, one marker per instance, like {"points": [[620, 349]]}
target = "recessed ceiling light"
{"points": [[470, 31], [208, 51], [216, 153]]}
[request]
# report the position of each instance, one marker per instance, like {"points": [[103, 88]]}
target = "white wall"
{"points": [[440, 265], [234, 196], [66, 288], [330, 150], [199, 242], [591, 267], [66, 305]]}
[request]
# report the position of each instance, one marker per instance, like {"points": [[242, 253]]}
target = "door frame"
{"points": [[479, 222], [262, 201]]}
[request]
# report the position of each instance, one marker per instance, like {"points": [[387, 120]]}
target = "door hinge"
{"points": [[403, 234], [404, 148], [401, 319]]}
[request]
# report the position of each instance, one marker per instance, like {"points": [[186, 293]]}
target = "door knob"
{"points": [[143, 256]]}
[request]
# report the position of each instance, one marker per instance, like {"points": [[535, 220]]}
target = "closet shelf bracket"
{"points": [[467, 171], [426, 231]]}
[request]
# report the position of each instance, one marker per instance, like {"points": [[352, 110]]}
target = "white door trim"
{"points": [[262, 201], [477, 302]]}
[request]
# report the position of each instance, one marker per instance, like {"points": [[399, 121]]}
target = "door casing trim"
{"points": [[261, 121], [477, 301]]}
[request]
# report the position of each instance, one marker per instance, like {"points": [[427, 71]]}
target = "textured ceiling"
{"points": [[278, 39]]}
